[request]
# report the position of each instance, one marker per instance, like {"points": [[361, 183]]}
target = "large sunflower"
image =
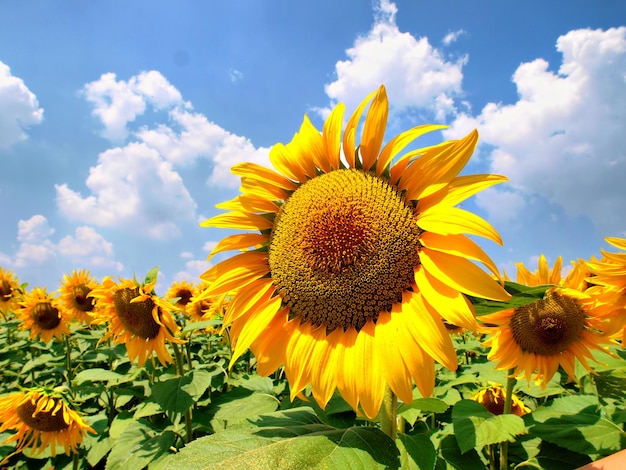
{"points": [[43, 315], [555, 331], [608, 279], [136, 317], [74, 290], [41, 420], [9, 291], [354, 261]]}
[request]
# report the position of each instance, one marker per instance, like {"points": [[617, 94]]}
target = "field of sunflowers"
{"points": [[355, 328]]}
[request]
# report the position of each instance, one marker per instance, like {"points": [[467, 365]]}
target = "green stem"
{"points": [[508, 400], [180, 370], [68, 362], [388, 413]]}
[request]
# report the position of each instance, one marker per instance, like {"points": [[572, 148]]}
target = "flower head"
{"points": [[137, 318], [75, 290], [554, 331], [493, 399], [43, 315], [354, 261], [9, 292], [41, 420]]}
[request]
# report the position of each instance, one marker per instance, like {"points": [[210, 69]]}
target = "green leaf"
{"points": [[475, 427], [238, 405], [178, 394], [151, 275], [412, 411], [416, 452], [139, 445], [311, 447], [98, 375], [575, 423], [200, 325], [552, 457], [522, 295], [453, 455]]}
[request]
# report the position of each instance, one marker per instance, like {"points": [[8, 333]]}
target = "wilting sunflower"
{"points": [[608, 280], [74, 290], [41, 420], [43, 315], [493, 399], [137, 318], [354, 261], [556, 330], [9, 292]]}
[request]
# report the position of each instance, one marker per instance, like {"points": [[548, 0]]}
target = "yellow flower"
{"points": [[608, 280], [538, 337], [354, 261], [136, 317], [74, 290], [493, 399], [9, 291], [43, 315], [41, 420]]}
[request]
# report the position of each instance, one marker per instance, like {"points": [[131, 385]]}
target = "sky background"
{"points": [[119, 121]]}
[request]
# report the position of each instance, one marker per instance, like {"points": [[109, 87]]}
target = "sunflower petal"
{"points": [[332, 138], [238, 220], [238, 241], [283, 159], [374, 129], [460, 189], [371, 386], [235, 273], [261, 173], [349, 135], [455, 221]]}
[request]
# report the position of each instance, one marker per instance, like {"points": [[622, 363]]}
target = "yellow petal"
{"points": [[398, 143], [400, 166], [235, 273], [328, 354], [269, 349], [460, 189], [262, 189], [332, 138], [238, 242], [262, 173], [462, 275], [420, 365], [555, 274], [298, 354], [374, 129], [349, 135], [455, 221], [255, 293], [347, 382], [314, 144], [286, 163], [239, 220], [617, 242], [371, 385]]}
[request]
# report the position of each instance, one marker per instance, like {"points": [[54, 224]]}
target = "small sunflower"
{"points": [[74, 290], [43, 315], [554, 331], [41, 420], [183, 292], [9, 292], [137, 318], [493, 399], [608, 280], [354, 261]]}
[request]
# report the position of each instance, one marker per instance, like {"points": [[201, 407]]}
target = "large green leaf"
{"points": [[416, 452], [522, 295], [412, 411], [178, 394], [139, 445], [295, 447], [240, 404], [577, 424], [475, 427], [98, 375], [452, 454]]}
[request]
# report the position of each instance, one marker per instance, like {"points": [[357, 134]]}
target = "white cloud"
{"points": [[88, 247], [116, 103], [564, 138], [19, 106], [452, 36], [415, 74], [132, 188], [193, 270], [34, 229], [235, 75]]}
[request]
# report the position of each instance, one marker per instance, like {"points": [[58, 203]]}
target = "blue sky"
{"points": [[119, 121]]}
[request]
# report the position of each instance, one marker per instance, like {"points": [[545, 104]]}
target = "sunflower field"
{"points": [[358, 326]]}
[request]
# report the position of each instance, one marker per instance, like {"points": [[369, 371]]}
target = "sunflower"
{"points": [[41, 420], [493, 398], [43, 315], [608, 280], [137, 318], [554, 331], [9, 292], [74, 290], [353, 261]]}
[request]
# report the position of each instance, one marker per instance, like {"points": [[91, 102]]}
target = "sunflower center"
{"points": [[136, 316], [5, 291], [344, 247], [185, 296], [46, 316], [548, 326], [80, 298], [44, 421]]}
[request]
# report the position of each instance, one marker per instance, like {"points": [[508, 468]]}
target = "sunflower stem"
{"points": [[508, 400], [388, 413], [68, 362], [180, 370]]}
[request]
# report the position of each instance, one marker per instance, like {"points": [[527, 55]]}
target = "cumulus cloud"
{"points": [[452, 36], [20, 108], [415, 73], [193, 269], [564, 138], [132, 188], [116, 102], [35, 247]]}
